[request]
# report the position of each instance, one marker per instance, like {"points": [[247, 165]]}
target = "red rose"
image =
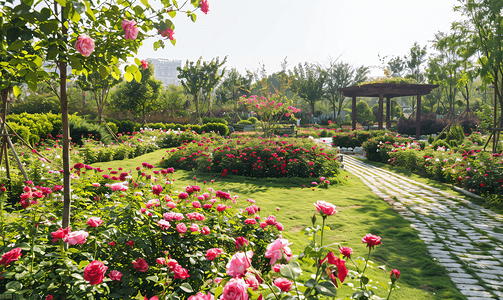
{"points": [[346, 251], [95, 272], [60, 234], [140, 265], [180, 272], [283, 284], [94, 221], [394, 275], [241, 242], [10, 256], [371, 240], [211, 254]]}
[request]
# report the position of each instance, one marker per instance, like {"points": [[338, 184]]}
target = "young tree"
{"points": [[172, 98], [340, 75], [200, 76], [233, 86], [91, 37], [139, 97], [307, 81]]}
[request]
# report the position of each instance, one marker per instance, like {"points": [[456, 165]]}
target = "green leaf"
{"points": [[16, 46], [137, 61], [128, 76], [310, 283], [172, 13], [17, 91], [173, 41], [14, 286], [186, 287], [104, 71], [137, 76], [32, 85], [291, 271], [145, 2], [326, 288], [78, 276], [193, 17], [365, 280], [152, 278], [218, 291], [61, 2], [288, 297]]}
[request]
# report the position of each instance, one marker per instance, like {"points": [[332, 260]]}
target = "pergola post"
{"points": [[353, 113], [388, 113], [380, 111], [418, 117]]}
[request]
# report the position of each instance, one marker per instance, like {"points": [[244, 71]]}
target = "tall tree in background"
{"points": [[307, 81], [414, 62], [200, 76], [212, 76], [233, 86], [484, 35], [139, 97], [340, 75], [100, 87], [172, 98]]}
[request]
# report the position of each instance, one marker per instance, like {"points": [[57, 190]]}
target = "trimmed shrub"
{"points": [[80, 130], [253, 120], [245, 122], [207, 120]]}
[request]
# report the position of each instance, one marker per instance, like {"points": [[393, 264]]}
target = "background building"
{"points": [[165, 70]]}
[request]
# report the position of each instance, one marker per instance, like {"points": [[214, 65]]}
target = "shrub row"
{"points": [[255, 158], [354, 138]]}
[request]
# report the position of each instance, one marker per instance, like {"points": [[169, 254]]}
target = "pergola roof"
{"points": [[387, 90]]}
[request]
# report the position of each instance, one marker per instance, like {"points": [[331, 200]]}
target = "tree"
{"points": [[363, 112], [87, 35], [414, 62], [99, 86], [233, 86], [307, 81], [340, 75], [172, 98], [139, 97], [483, 30], [200, 76]]}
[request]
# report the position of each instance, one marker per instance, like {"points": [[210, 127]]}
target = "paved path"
{"points": [[460, 235]]}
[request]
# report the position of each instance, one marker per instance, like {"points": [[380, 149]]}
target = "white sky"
{"points": [[254, 31]]}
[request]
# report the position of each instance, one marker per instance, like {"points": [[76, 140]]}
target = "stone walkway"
{"points": [[463, 237]]}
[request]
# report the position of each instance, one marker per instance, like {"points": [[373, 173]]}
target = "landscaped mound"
{"points": [[278, 157]]}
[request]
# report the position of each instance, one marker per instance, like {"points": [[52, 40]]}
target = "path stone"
{"points": [[458, 234]]}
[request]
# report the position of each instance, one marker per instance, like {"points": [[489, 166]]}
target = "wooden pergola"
{"points": [[388, 91]]}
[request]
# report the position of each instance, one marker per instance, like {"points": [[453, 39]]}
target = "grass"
{"points": [[360, 212]]}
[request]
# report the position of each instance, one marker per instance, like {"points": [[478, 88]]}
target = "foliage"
{"points": [[308, 81], [214, 120], [272, 158], [39, 125], [80, 130], [363, 112], [429, 125]]}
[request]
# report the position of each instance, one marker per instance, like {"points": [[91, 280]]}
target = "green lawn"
{"points": [[360, 212]]}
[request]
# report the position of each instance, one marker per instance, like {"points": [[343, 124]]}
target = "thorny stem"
{"points": [[390, 289]]}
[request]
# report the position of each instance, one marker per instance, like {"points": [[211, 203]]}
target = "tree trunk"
{"points": [[312, 108]]}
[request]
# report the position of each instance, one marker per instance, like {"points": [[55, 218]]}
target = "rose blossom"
{"points": [[342, 271], [94, 221], [252, 281], [325, 208], [60, 234], [239, 263], [250, 221], [140, 265], [212, 253], [181, 228], [235, 289], [205, 230], [201, 296], [205, 7], [221, 207], [144, 64], [395, 274], [371, 240], [196, 204], [84, 45], [194, 227], [271, 220], [95, 272], [115, 275], [10, 256], [277, 268], [157, 189], [241, 242], [164, 224], [76, 237], [161, 261], [276, 249], [130, 29], [346, 251], [283, 284], [180, 272]]}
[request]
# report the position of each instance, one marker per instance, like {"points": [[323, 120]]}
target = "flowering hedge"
{"points": [[278, 157]]}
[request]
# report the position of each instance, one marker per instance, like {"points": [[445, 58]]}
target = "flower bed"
{"points": [[278, 157], [133, 235]]}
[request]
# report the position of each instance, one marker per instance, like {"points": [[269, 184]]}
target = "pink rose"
{"points": [[161, 261], [325, 208], [205, 7], [277, 268], [130, 29], [276, 249], [250, 221], [205, 230], [76, 237], [115, 275], [239, 263], [235, 289], [201, 296], [263, 225], [164, 224], [283, 284], [60, 234], [221, 207], [371, 240], [181, 228], [144, 64], [196, 204], [140, 265], [171, 204], [211, 254], [252, 281], [271, 220], [156, 189], [94, 221], [194, 227], [167, 33], [279, 226], [84, 45], [95, 272], [346, 251], [183, 196]]}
